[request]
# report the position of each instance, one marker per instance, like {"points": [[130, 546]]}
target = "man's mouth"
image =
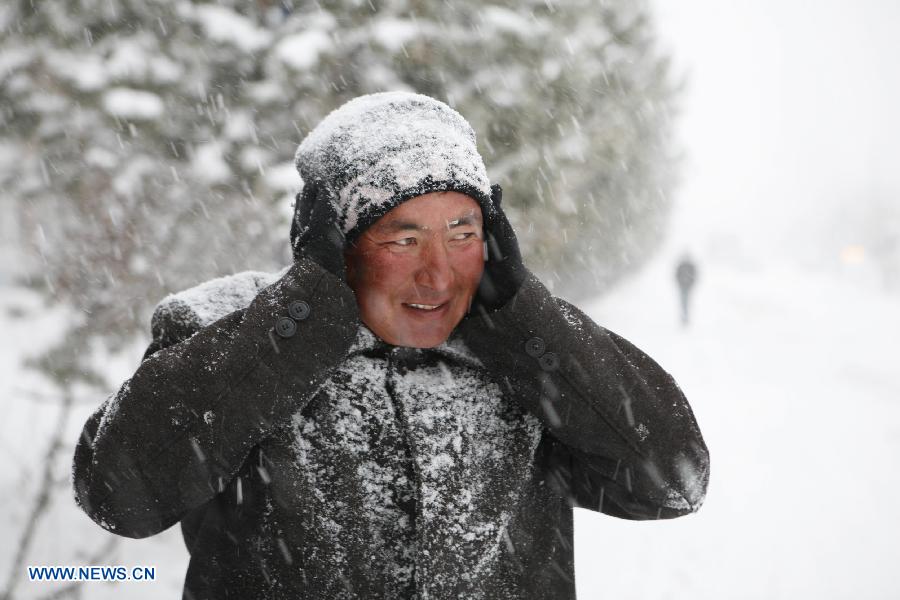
{"points": [[425, 307]]}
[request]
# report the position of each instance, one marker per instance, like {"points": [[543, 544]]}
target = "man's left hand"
{"points": [[504, 271]]}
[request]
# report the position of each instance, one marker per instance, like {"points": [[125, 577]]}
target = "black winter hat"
{"points": [[380, 150]]}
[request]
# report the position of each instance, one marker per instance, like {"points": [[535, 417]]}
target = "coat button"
{"points": [[535, 347], [285, 327], [298, 309], [549, 361]]}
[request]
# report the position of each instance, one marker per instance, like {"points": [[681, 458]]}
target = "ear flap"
{"points": [[315, 231], [496, 195], [489, 242], [303, 206]]}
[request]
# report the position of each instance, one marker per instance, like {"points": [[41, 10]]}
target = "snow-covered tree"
{"points": [[570, 99], [153, 139]]}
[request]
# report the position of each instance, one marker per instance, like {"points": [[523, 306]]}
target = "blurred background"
{"points": [[718, 182]]}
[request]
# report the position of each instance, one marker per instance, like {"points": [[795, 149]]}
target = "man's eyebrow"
{"points": [[400, 225]]}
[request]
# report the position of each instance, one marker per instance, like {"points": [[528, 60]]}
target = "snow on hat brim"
{"points": [[444, 172]]}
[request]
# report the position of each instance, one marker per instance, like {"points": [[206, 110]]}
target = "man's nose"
{"points": [[435, 272]]}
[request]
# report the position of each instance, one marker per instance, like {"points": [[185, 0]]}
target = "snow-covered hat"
{"points": [[379, 150]]}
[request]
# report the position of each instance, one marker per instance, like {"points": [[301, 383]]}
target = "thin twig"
{"points": [[42, 500], [42, 397]]}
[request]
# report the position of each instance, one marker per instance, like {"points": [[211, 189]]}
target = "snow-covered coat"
{"points": [[327, 464]]}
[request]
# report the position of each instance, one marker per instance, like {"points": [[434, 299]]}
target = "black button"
{"points": [[298, 309], [549, 361], [285, 327], [535, 347]]}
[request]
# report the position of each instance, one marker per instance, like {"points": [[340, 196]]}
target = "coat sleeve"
{"points": [[625, 440], [179, 429]]}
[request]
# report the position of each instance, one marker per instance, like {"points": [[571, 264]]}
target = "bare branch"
{"points": [[42, 500]]}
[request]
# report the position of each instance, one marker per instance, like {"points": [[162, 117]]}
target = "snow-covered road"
{"points": [[794, 380]]}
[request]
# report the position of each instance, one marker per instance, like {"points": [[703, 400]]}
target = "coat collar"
{"points": [[452, 350]]}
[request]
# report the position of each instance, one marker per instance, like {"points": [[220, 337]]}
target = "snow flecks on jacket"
{"points": [[473, 451], [694, 476], [348, 437], [642, 431], [675, 500], [571, 318], [424, 463], [111, 407], [365, 340], [686, 490]]}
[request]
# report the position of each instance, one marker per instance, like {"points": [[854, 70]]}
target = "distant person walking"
{"points": [[686, 276]]}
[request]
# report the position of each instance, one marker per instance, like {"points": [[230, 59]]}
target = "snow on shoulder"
{"points": [[210, 301]]}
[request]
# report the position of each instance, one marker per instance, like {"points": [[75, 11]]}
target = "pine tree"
{"points": [[155, 138]]}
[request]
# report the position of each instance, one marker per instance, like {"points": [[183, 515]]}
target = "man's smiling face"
{"points": [[416, 269]]}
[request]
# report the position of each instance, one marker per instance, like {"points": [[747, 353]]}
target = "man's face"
{"points": [[416, 269]]}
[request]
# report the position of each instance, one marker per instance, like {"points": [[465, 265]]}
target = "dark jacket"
{"points": [[202, 434]]}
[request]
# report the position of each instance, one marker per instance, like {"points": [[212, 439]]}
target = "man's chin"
{"points": [[425, 329], [418, 335], [428, 339]]}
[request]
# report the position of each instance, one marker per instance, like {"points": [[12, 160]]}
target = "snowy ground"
{"points": [[65, 536], [793, 380]]}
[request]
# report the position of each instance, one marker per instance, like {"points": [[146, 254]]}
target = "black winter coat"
{"points": [[206, 432]]}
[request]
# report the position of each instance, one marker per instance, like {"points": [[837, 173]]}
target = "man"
{"points": [[685, 277], [405, 412]]}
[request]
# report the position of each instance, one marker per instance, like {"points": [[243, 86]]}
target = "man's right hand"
{"points": [[320, 237]]}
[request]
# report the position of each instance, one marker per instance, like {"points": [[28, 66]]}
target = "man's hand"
{"points": [[319, 236], [503, 271]]}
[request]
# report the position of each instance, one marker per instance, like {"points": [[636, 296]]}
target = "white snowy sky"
{"points": [[789, 117]]}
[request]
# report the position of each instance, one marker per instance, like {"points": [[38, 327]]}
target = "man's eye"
{"points": [[405, 242], [463, 236]]}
